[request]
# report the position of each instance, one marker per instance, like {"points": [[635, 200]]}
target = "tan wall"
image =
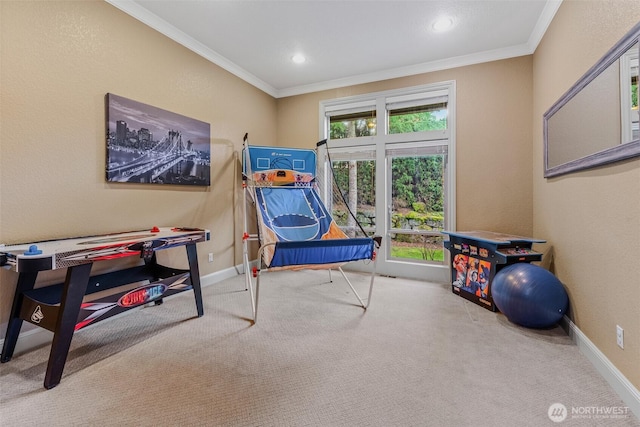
{"points": [[592, 218], [58, 60], [493, 138]]}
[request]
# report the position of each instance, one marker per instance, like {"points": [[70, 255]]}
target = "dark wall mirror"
{"points": [[596, 121]]}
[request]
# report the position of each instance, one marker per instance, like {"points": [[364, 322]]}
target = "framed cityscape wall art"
{"points": [[146, 144]]}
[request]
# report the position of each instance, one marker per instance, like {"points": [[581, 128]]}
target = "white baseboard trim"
{"points": [[33, 338], [221, 275], [620, 384]]}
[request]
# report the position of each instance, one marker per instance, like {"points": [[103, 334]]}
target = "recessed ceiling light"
{"points": [[442, 24], [298, 59]]}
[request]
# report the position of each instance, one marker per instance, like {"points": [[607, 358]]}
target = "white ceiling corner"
{"points": [[347, 42]]}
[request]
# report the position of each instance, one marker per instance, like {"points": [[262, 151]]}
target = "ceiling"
{"points": [[345, 42]]}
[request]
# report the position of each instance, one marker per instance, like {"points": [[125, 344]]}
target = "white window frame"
{"points": [[382, 140]]}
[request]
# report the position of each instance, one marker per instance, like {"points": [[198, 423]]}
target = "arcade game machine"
{"points": [[476, 257]]}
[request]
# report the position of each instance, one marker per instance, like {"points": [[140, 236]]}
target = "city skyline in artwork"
{"points": [[147, 144]]}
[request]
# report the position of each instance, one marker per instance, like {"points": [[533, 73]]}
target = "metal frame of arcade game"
{"points": [[68, 307], [295, 229], [484, 253]]}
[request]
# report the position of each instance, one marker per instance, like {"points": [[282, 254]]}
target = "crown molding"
{"points": [[133, 9], [427, 67], [143, 15], [549, 11]]}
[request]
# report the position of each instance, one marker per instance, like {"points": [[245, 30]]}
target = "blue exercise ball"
{"points": [[529, 295]]}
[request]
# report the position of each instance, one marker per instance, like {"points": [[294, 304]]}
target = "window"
{"points": [[392, 155], [419, 118], [353, 120], [417, 201], [352, 125], [354, 176]]}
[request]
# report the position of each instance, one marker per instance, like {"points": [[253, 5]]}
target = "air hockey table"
{"points": [[67, 307], [476, 257]]}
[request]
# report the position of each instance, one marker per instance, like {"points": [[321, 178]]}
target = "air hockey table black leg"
{"points": [[75, 286], [26, 282], [194, 270], [153, 261]]}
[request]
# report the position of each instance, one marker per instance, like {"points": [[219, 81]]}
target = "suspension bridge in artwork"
{"points": [[166, 160]]}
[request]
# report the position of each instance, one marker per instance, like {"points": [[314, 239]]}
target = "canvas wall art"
{"points": [[146, 144]]}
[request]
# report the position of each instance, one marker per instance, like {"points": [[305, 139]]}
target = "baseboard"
{"points": [[36, 337], [221, 275], [627, 392]]}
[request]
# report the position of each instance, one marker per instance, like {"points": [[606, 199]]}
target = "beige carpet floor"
{"points": [[419, 356]]}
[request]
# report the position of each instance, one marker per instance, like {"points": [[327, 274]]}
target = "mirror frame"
{"points": [[614, 154]]}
